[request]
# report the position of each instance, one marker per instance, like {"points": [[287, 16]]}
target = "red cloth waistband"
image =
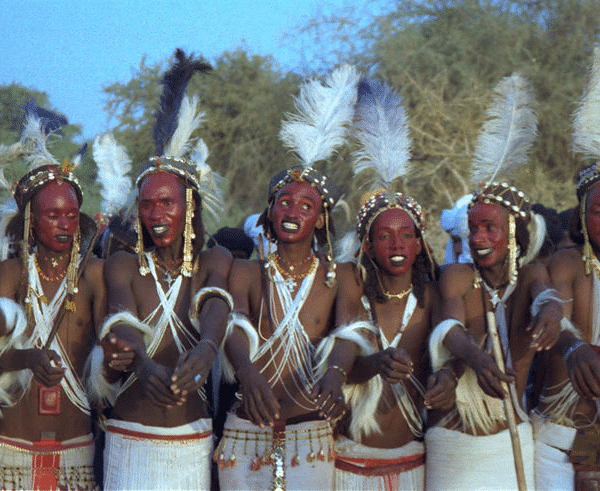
{"points": [[44, 446], [152, 436], [378, 467]]}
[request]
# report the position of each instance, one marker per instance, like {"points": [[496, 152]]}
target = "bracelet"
{"points": [[339, 369], [211, 343], [450, 372], [207, 293], [572, 348]]}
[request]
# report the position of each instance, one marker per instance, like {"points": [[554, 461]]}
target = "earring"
{"points": [[139, 247], [188, 234]]}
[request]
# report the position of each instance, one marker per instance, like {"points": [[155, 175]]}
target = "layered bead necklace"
{"points": [[170, 273], [291, 277], [54, 263]]}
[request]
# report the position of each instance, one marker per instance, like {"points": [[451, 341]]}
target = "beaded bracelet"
{"points": [[572, 348], [339, 369], [211, 343]]}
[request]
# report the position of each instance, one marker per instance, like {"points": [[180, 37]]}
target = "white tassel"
{"points": [[324, 113], [382, 129], [113, 166], [509, 132], [211, 183], [586, 124]]}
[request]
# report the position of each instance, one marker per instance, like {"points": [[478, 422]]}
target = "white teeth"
{"points": [[483, 252], [159, 229], [398, 259], [289, 226]]}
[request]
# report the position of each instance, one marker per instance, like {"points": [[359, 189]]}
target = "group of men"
{"points": [[369, 374]]}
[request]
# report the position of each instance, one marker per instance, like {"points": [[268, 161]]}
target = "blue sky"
{"points": [[71, 49]]}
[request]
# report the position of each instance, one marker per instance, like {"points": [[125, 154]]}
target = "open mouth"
{"points": [[159, 230], [483, 252], [63, 238], [289, 226], [397, 260]]}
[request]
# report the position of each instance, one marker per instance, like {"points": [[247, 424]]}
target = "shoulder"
{"points": [[566, 262], [94, 270], [348, 276], [216, 258], [10, 271], [245, 271], [456, 278], [119, 265]]}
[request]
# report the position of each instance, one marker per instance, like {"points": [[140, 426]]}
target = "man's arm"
{"points": [[455, 282], [45, 364], [581, 360], [260, 404], [155, 378], [193, 367]]}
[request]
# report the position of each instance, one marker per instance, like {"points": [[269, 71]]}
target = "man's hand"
{"points": [[489, 375], [192, 369], [46, 366], [328, 396], [118, 354], [260, 404], [156, 380], [545, 327], [584, 370], [394, 365], [441, 390]]}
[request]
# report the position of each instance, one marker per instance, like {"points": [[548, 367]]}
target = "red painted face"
{"points": [[394, 244], [162, 207], [592, 216], [56, 213], [488, 234], [296, 212]]}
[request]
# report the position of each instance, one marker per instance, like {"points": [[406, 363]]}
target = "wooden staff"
{"points": [[508, 405]]}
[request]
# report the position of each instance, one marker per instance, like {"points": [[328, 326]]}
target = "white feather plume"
{"points": [[324, 113], [114, 166], [34, 140], [8, 211], [7, 155], [211, 183], [586, 124], [382, 129], [188, 120], [509, 131]]}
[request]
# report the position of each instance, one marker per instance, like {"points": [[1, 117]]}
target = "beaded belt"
{"points": [[378, 467]]}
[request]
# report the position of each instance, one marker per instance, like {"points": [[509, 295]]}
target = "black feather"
{"points": [[51, 121], [174, 82]]}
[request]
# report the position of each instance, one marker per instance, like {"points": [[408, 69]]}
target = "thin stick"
{"points": [[508, 405]]}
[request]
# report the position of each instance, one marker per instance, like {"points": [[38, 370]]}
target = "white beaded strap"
{"points": [[207, 293]]}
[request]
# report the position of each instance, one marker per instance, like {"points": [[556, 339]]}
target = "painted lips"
{"points": [[289, 226], [397, 260], [159, 230]]}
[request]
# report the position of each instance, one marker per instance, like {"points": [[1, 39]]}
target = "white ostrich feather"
{"points": [[188, 120], [509, 132], [34, 141], [8, 211], [114, 166], [324, 113], [347, 247], [382, 129], [211, 183], [586, 124], [7, 155]]}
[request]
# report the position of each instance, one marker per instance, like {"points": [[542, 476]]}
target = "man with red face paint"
{"points": [[170, 308], [167, 312], [567, 419], [388, 297], [527, 315], [46, 426], [273, 345]]}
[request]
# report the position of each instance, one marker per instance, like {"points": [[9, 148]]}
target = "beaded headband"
{"points": [[380, 201], [503, 194], [586, 178], [329, 192], [177, 166], [37, 178]]}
